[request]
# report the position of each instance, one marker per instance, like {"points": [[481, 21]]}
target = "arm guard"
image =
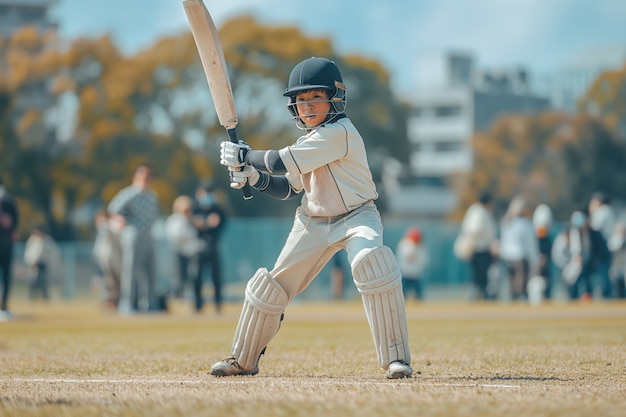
{"points": [[266, 161], [276, 186]]}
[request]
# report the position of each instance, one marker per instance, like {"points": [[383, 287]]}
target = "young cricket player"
{"points": [[328, 166]]}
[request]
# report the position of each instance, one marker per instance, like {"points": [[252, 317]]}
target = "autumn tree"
{"points": [[550, 158], [155, 107], [606, 99], [30, 60]]}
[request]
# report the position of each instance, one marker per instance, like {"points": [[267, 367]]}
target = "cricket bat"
{"points": [[214, 65]]}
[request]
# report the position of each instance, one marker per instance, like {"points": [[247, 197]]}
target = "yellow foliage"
{"points": [[63, 83], [27, 38], [105, 128], [201, 166], [28, 121], [90, 97]]}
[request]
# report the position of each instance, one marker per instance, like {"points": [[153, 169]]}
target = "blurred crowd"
{"points": [[521, 251], [124, 249], [525, 255]]}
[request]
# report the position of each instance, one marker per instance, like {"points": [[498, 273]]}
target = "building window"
{"points": [[438, 111], [33, 14], [447, 111], [448, 146]]}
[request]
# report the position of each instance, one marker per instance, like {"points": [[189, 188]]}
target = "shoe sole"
{"points": [[221, 373], [398, 375]]}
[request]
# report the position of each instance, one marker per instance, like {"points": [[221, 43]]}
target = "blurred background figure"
{"points": [[183, 239], [209, 219], [574, 251], [543, 222], [617, 246], [519, 249], [107, 254], [9, 220], [40, 252], [136, 208], [337, 276], [412, 260], [602, 219], [477, 243]]}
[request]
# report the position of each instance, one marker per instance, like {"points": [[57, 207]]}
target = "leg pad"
{"points": [[263, 306], [378, 279]]}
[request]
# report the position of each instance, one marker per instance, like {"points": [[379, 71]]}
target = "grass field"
{"points": [[469, 359]]}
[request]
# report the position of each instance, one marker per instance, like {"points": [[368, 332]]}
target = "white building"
{"points": [[451, 103], [15, 14]]}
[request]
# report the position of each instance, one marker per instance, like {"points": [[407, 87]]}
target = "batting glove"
{"points": [[239, 177], [233, 154]]}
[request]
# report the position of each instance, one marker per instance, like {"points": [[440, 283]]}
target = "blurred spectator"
{"points": [[183, 238], [9, 219], [40, 252], [209, 219], [412, 261], [337, 276], [543, 223], [107, 253], [574, 251], [477, 242], [602, 219], [617, 246], [136, 208], [519, 249]]}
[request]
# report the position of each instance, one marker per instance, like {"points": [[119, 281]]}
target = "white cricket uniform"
{"points": [[337, 210]]}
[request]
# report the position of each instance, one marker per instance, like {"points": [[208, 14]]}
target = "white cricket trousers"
{"points": [[314, 240]]}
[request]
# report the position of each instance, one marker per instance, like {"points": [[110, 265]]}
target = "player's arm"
{"points": [[239, 154], [266, 161], [258, 169], [276, 186]]}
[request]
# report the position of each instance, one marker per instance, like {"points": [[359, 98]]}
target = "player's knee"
{"points": [[376, 270], [265, 294]]}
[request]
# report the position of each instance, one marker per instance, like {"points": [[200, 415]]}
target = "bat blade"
{"points": [[212, 57]]}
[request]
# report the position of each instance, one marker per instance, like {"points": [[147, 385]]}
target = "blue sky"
{"points": [[541, 35]]}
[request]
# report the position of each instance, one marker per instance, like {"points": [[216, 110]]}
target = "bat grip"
{"points": [[232, 136]]}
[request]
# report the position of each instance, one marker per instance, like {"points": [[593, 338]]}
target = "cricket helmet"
{"points": [[317, 73]]}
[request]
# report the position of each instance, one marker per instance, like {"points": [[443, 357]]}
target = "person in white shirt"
{"points": [[602, 219], [480, 230], [519, 247], [412, 260]]}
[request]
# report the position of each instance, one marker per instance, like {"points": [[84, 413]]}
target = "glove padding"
{"points": [[233, 154], [239, 176]]}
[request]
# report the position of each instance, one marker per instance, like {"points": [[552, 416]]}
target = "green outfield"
{"points": [[469, 359]]}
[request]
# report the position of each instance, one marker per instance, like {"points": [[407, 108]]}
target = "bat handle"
{"points": [[232, 135]]}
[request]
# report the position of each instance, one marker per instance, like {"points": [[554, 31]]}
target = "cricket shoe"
{"points": [[398, 370], [230, 367], [6, 315]]}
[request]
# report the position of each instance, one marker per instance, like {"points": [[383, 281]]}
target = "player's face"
{"points": [[313, 106]]}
